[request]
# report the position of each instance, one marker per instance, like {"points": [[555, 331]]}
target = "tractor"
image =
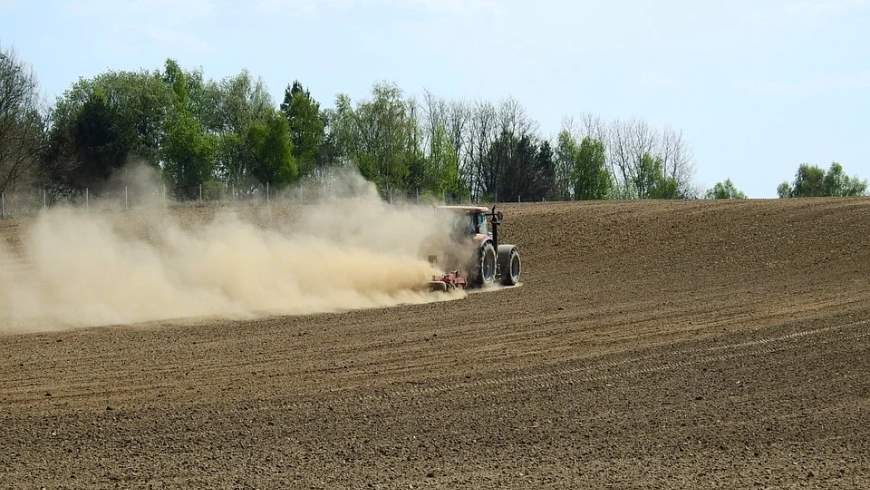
{"points": [[489, 262]]}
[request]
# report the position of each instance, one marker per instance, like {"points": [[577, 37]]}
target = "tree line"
{"points": [[205, 135], [210, 134], [809, 181]]}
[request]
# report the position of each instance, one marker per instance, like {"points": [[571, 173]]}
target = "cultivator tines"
{"points": [[448, 282]]}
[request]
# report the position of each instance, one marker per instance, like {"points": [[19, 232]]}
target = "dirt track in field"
{"points": [[672, 344]]}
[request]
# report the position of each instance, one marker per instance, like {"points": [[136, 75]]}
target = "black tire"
{"points": [[509, 265], [485, 268]]}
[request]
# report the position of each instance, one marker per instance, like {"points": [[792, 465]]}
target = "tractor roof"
{"points": [[465, 209]]}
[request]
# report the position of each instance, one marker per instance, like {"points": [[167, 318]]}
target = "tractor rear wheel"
{"points": [[486, 265], [509, 264]]}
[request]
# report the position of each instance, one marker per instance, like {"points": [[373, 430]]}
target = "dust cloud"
{"points": [[346, 250]]}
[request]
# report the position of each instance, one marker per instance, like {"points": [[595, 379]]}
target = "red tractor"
{"points": [[490, 260]]}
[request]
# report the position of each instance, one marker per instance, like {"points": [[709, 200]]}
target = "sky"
{"points": [[756, 87]]}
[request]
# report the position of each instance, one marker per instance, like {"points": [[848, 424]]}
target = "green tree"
{"points": [[189, 151], [651, 181], [188, 155], [241, 103], [589, 176], [101, 123], [270, 145], [812, 181], [837, 183], [306, 125], [524, 170], [103, 140], [379, 136], [725, 190], [809, 181], [440, 169], [202, 98], [176, 80], [543, 186]]}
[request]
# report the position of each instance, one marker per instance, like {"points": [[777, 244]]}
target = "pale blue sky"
{"points": [[757, 86]]}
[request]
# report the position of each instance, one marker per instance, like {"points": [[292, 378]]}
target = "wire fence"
{"points": [[27, 203], [31, 202]]}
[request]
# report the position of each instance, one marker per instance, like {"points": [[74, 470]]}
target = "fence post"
{"points": [[267, 192], [164, 193], [126, 199], [2, 205], [87, 199], [44, 199], [200, 192]]}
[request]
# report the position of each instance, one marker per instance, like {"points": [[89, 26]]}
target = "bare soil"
{"points": [[652, 345]]}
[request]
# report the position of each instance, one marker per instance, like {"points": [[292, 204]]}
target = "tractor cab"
{"points": [[470, 221], [473, 221]]}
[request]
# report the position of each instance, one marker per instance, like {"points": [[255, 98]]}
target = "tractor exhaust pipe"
{"points": [[495, 218]]}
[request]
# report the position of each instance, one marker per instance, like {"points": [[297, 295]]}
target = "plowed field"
{"points": [[652, 344]]}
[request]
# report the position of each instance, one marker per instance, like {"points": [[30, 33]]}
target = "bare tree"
{"points": [[677, 159], [457, 115], [628, 142], [513, 119], [619, 151], [482, 130], [21, 124]]}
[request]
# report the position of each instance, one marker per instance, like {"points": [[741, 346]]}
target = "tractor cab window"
{"points": [[480, 223], [464, 225], [470, 224]]}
